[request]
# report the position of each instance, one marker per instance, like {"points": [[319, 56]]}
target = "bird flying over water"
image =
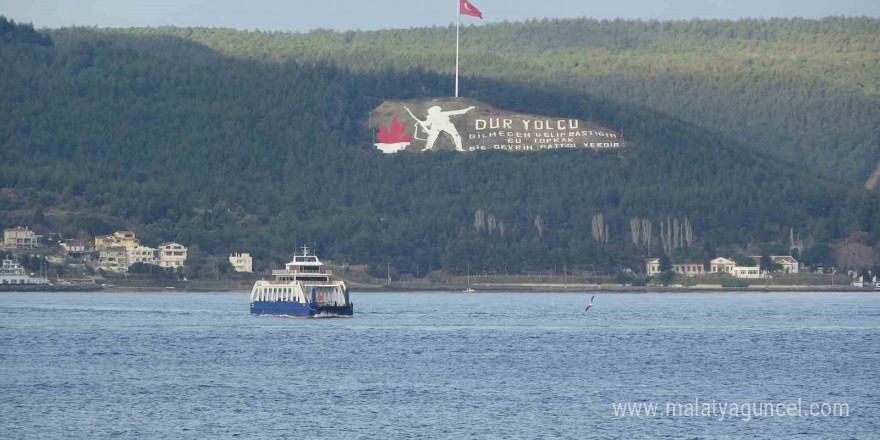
{"points": [[591, 303]]}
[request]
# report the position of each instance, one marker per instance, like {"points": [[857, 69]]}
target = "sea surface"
{"points": [[177, 365]]}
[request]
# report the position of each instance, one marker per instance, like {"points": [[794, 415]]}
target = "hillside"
{"points": [[804, 90], [179, 141]]}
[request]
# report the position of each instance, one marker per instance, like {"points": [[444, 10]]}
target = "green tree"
{"points": [[744, 261], [225, 266], [39, 218], [665, 263], [766, 262], [819, 255], [667, 275]]}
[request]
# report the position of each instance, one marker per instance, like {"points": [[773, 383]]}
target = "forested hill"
{"points": [[10, 32], [178, 141], [805, 90]]}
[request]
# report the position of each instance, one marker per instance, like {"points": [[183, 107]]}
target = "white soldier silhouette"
{"points": [[438, 122]]}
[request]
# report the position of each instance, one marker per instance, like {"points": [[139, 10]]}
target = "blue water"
{"points": [[434, 366]]}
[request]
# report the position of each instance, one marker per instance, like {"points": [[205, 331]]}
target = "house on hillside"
{"points": [[102, 241], [19, 238], [172, 255], [142, 254], [126, 239], [242, 262], [76, 249], [113, 259]]}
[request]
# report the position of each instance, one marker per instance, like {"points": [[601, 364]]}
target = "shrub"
{"points": [[734, 282]]}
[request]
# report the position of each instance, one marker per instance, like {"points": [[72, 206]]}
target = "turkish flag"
{"points": [[465, 7]]}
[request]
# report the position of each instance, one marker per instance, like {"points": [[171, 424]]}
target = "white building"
{"points": [[721, 265], [241, 262], [74, 246], [689, 268], [77, 249], [19, 238], [788, 263], [172, 255], [652, 266], [746, 272], [113, 259], [142, 254], [125, 239]]}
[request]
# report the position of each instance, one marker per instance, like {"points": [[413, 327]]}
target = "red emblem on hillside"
{"points": [[392, 140], [394, 135]]}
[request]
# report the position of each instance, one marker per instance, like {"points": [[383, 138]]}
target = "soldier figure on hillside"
{"points": [[438, 122]]}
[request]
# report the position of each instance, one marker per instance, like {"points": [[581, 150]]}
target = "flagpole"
{"points": [[457, 25]]}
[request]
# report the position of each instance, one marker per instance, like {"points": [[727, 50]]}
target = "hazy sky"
{"points": [[299, 15]]}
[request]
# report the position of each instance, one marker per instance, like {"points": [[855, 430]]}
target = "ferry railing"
{"points": [[327, 283], [302, 272]]}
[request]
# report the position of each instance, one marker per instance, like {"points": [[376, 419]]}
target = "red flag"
{"points": [[465, 7]]}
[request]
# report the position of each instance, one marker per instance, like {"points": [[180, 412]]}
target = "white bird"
{"points": [[591, 303]]}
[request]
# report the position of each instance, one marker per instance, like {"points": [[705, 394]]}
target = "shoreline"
{"points": [[607, 288], [537, 286], [499, 287]]}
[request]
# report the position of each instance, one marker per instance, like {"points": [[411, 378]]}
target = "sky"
{"points": [[302, 16]]}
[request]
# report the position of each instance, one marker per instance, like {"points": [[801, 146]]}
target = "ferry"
{"points": [[11, 273], [302, 288]]}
